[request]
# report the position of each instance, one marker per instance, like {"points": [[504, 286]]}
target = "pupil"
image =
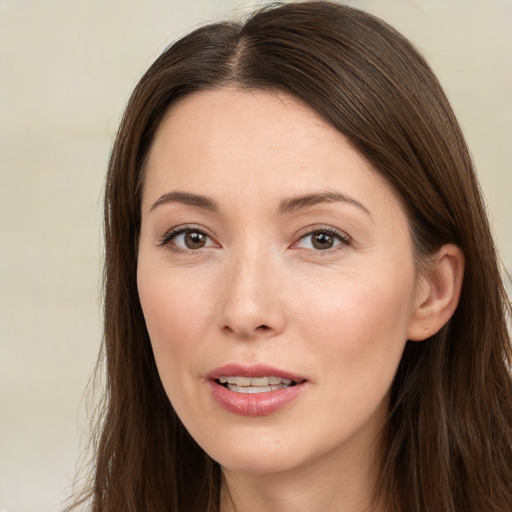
{"points": [[194, 240], [322, 241]]}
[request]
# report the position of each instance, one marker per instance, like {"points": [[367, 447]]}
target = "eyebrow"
{"points": [[302, 202], [289, 205], [196, 200]]}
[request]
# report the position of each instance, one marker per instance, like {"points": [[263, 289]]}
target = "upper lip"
{"points": [[258, 370]]}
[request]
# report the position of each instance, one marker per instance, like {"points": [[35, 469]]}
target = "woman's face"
{"points": [[277, 280]]}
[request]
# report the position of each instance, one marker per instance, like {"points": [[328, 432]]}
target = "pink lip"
{"points": [[257, 404], [259, 370]]}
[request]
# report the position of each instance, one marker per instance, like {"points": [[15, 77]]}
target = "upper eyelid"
{"points": [[186, 227], [327, 229], [178, 230]]}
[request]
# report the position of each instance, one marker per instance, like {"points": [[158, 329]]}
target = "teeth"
{"points": [[240, 381], [254, 384], [251, 389], [260, 381]]}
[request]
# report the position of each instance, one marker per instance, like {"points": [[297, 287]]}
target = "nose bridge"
{"points": [[250, 303]]}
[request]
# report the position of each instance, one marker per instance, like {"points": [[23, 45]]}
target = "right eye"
{"points": [[188, 239]]}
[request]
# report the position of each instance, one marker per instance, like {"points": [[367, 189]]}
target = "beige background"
{"points": [[66, 70]]}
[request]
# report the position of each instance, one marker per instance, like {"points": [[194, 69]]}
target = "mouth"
{"points": [[253, 385], [255, 390]]}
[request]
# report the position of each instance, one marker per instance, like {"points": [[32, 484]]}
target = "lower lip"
{"points": [[254, 404]]}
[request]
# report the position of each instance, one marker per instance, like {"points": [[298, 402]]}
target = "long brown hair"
{"points": [[448, 441]]}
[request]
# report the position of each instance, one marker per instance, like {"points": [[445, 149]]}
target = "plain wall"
{"points": [[66, 71]]}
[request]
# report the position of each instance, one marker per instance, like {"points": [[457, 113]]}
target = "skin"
{"points": [[259, 291]]}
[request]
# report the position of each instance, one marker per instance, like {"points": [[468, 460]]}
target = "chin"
{"points": [[261, 465], [268, 455]]}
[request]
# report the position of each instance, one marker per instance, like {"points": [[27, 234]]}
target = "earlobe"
{"points": [[438, 293]]}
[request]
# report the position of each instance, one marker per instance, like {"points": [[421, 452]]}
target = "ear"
{"points": [[438, 293]]}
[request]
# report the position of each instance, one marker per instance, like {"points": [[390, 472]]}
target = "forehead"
{"points": [[233, 121], [241, 144]]}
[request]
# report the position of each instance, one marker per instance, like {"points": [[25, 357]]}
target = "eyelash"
{"points": [[342, 238], [175, 232]]}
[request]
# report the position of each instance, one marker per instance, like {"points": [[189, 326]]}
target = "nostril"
{"points": [[244, 330]]}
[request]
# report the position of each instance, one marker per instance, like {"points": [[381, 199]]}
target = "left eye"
{"points": [[190, 239], [322, 240]]}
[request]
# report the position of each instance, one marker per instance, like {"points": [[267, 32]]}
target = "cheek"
{"points": [[176, 312], [360, 321], [358, 332]]}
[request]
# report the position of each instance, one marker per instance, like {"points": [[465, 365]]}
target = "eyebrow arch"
{"points": [[186, 198], [302, 202]]}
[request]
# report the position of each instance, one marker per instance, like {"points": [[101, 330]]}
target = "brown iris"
{"points": [[194, 240], [322, 241]]}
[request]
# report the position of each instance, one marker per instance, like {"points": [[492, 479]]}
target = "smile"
{"points": [[255, 390], [254, 384]]}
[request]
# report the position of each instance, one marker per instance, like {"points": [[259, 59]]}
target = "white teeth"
{"points": [[254, 384], [251, 389], [260, 381]]}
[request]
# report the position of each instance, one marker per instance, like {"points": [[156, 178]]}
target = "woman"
{"points": [[303, 305]]}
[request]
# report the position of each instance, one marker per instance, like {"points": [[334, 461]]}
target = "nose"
{"points": [[251, 303]]}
